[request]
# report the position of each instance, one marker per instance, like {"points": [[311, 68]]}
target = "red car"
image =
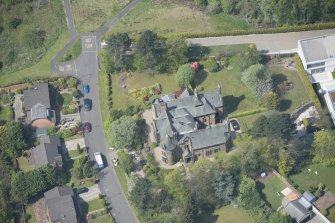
{"points": [[87, 127]]}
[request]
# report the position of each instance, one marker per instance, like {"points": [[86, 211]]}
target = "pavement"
{"points": [[266, 43], [17, 105], [92, 193], [72, 144], [85, 68]]}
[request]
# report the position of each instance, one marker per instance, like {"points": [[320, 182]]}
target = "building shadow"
{"points": [[231, 102]]}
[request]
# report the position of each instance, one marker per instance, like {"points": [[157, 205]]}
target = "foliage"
{"points": [[275, 127], [145, 93], [224, 186], [176, 183], [71, 82], [78, 167], [211, 65], [213, 8], [118, 48], [12, 139], [139, 195], [249, 57], [285, 164], [175, 55], [150, 49], [26, 185], [324, 148], [257, 80], [126, 161], [272, 101], [87, 170], [248, 196], [35, 38], [185, 75], [124, 133], [306, 82]]}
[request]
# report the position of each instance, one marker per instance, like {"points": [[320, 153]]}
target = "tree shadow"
{"points": [[284, 105], [200, 77], [232, 102], [260, 187], [278, 78], [196, 52]]}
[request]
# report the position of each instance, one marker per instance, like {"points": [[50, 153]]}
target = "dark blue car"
{"points": [[86, 88]]}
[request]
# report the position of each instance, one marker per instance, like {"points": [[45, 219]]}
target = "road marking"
{"points": [[75, 67]]}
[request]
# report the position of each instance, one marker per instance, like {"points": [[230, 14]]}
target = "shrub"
{"points": [[14, 23], [306, 82], [213, 8], [324, 212], [35, 38], [19, 91], [76, 93], [211, 65]]}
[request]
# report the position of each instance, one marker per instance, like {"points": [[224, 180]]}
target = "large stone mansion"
{"points": [[190, 126]]}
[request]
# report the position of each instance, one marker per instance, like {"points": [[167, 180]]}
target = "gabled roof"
{"points": [[295, 209], [39, 94], [38, 111], [47, 151], [60, 205]]}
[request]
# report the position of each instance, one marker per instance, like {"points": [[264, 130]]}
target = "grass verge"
{"points": [[102, 219], [30, 212], [40, 70], [72, 53]]}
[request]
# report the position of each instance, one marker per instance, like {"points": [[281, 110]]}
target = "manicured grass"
{"points": [[227, 214], [172, 16], [122, 178], [64, 99], [72, 53], [31, 213], [92, 205], [102, 219], [17, 50], [331, 215], [269, 188], [74, 153], [40, 70], [24, 165], [325, 175], [6, 113], [90, 15], [294, 96]]}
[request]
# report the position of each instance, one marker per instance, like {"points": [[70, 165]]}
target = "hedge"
{"points": [[246, 113], [306, 82], [283, 29]]}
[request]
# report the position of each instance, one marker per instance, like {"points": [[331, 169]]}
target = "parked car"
{"points": [[87, 104], [82, 190], [235, 125], [87, 127], [86, 88]]}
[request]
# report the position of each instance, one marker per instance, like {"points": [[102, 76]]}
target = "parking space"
{"points": [[92, 193], [88, 44]]}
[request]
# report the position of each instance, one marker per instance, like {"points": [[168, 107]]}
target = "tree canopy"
{"points": [[119, 48], [248, 197], [12, 139], [124, 133], [139, 195], [185, 75], [324, 148]]}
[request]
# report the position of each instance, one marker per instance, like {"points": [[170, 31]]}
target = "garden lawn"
{"points": [[227, 214], [269, 189], [39, 70], [325, 175], [294, 97], [72, 53], [90, 15], [174, 17], [6, 113], [64, 99], [30, 212], [92, 205], [102, 219], [24, 165], [331, 215], [74, 153]]}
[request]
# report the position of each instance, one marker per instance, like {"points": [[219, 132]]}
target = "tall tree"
{"points": [[124, 133], [185, 75], [126, 161], [119, 50], [248, 196], [177, 184], [139, 194], [224, 186], [12, 138], [324, 148]]}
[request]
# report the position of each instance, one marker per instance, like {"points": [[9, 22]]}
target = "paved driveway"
{"points": [[92, 193], [265, 42], [72, 144]]}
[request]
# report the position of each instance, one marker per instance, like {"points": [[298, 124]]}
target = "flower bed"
{"points": [[145, 93]]}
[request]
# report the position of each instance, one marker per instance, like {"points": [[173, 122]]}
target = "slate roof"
{"points": [[60, 205], [39, 94], [38, 111], [309, 196], [296, 210], [177, 116], [47, 151]]}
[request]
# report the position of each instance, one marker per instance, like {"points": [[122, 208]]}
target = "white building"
{"points": [[318, 53]]}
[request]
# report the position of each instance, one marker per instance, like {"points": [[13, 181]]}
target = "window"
{"points": [[318, 70], [315, 65], [209, 152], [216, 150]]}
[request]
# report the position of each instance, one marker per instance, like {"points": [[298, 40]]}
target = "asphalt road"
{"points": [[85, 68], [109, 185], [269, 43]]}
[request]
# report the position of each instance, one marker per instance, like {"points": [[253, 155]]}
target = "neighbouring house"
{"points": [[298, 209], [318, 53], [48, 152], [38, 107], [191, 126], [60, 205]]}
